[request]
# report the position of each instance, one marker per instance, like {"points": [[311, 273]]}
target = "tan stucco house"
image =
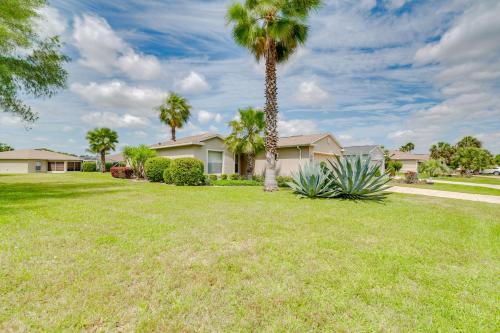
{"points": [[37, 160], [210, 148], [410, 161]]}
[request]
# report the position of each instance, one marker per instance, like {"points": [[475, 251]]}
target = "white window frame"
{"points": [[223, 161], [41, 166]]}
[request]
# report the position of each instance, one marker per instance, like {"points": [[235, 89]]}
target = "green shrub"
{"points": [[283, 181], [167, 176], [223, 176], [393, 167], [154, 168], [258, 178], [411, 177], [187, 171], [234, 176], [89, 167], [212, 177]]}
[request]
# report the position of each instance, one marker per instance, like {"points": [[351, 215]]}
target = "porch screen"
{"points": [[214, 162]]}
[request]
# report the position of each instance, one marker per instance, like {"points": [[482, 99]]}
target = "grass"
{"points": [[453, 188], [239, 182], [84, 252], [473, 179]]}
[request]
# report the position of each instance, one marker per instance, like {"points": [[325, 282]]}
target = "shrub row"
{"points": [[122, 172], [89, 167], [155, 167]]}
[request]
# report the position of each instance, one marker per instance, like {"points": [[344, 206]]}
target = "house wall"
{"points": [[289, 160], [409, 165], [201, 153], [14, 166], [377, 157], [327, 145]]}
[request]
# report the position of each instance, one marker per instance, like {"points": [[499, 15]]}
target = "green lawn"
{"points": [[453, 188], [473, 179], [85, 252]]}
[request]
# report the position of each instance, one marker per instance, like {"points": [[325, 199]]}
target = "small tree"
{"points": [[472, 159], [393, 167], [5, 147], [246, 136], [136, 157], [409, 147], [102, 141], [497, 159], [174, 112]]}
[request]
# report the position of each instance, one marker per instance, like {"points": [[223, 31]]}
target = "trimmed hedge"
{"points": [[122, 172], [223, 176], [229, 182], [185, 171], [155, 167], [212, 177], [283, 180], [89, 167], [234, 176]]}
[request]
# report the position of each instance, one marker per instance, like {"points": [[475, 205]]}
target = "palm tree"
{"points": [[409, 147], [442, 151], [101, 141], [271, 30], [246, 136], [175, 112]]}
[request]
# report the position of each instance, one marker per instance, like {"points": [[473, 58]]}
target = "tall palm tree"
{"points": [[175, 112], [271, 30], [246, 136], [101, 141]]}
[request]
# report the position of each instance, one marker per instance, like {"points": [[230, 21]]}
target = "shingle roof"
{"points": [[400, 155], [115, 158], [359, 150], [289, 141], [186, 141], [35, 154], [300, 140]]}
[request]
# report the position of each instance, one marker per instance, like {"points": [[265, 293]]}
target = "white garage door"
{"points": [[13, 167]]}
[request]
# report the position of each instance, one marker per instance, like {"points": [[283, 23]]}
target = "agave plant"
{"points": [[355, 178], [312, 181]]}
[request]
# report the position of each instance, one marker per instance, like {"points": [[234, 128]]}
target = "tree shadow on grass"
{"points": [[31, 195]]}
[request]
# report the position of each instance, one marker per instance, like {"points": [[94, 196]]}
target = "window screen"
{"points": [[214, 162]]}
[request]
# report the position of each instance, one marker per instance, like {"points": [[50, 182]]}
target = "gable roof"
{"points": [[360, 150], [36, 154], [304, 140], [187, 141], [400, 155]]}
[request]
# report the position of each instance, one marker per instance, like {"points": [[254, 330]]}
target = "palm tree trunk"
{"points": [[103, 161], [271, 111], [172, 131], [250, 165]]}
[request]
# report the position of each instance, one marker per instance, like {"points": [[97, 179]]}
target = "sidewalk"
{"points": [[446, 194]]}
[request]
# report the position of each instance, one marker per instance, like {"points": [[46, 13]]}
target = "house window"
{"points": [[215, 162], [56, 166], [38, 166], [74, 166]]}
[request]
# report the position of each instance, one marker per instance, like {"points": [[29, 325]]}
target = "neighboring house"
{"points": [[294, 151], [115, 158], [410, 161], [376, 154], [210, 148], [37, 160]]}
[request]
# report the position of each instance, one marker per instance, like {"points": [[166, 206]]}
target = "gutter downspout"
{"points": [[300, 153]]}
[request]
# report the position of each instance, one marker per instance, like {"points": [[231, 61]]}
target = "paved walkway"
{"points": [[446, 194], [496, 187]]}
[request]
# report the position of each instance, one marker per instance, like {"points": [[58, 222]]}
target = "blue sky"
{"points": [[372, 72]]}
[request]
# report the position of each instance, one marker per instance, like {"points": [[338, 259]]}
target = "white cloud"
{"points": [[101, 49], [205, 117], [140, 134], [194, 83], [117, 94], [113, 120], [401, 134], [50, 22], [9, 120], [297, 127], [67, 129], [310, 93]]}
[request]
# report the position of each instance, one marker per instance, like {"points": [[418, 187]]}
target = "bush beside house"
{"points": [[89, 167], [155, 167], [185, 171]]}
